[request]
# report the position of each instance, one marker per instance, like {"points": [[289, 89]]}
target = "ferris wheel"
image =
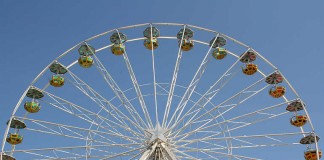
{"points": [[160, 91]]}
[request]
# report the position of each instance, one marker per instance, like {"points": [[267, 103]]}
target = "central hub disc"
{"points": [[158, 145], [157, 133]]}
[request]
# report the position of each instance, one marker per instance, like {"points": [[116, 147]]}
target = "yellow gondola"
{"points": [[118, 49], [219, 53], [32, 107], [250, 69], [57, 81], [14, 139], [85, 61], [311, 155], [298, 120], [148, 43], [186, 45], [277, 91]]}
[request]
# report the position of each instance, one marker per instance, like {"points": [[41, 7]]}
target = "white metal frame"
{"points": [[175, 123]]}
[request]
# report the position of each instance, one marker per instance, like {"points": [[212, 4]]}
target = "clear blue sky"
{"points": [[288, 33]]}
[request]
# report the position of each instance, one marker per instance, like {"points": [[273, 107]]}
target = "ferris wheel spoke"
{"points": [[212, 152], [154, 78], [192, 86], [74, 152], [209, 155], [163, 88], [138, 90], [55, 154], [213, 156], [122, 153], [136, 86], [205, 143], [166, 92], [215, 136], [245, 124], [251, 146], [103, 103], [210, 94], [237, 125], [249, 119], [238, 98], [40, 155], [213, 90], [65, 152], [84, 114], [173, 81], [221, 154], [64, 129], [97, 98], [240, 121], [102, 140], [119, 93], [251, 140], [79, 147], [184, 155], [74, 110]]}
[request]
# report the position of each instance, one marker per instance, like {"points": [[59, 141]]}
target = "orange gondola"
{"points": [[277, 91], [298, 120], [250, 69], [312, 155]]}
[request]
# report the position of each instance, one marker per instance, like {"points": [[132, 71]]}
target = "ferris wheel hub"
{"points": [[157, 133], [158, 147]]}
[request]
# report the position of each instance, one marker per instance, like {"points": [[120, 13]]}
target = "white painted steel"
{"points": [[169, 141]]}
